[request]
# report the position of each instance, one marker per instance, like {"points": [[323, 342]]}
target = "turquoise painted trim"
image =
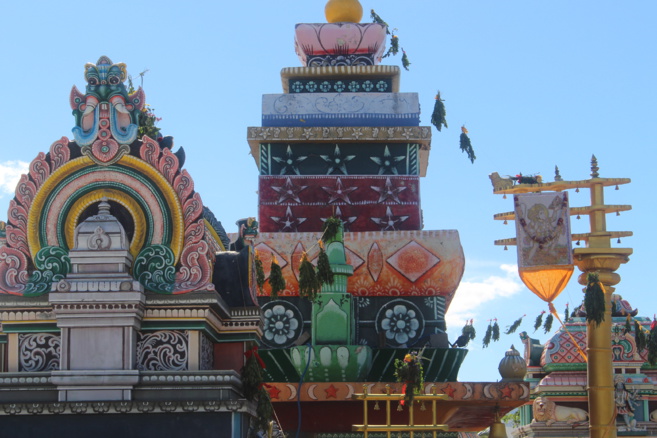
{"points": [[30, 328], [202, 326]]}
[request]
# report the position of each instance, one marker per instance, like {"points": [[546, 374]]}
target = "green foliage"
{"points": [[628, 325], [331, 228], [251, 377], [376, 19], [652, 344], [594, 300], [264, 410], [548, 323], [260, 272], [405, 61], [488, 335], [438, 117], [324, 272], [512, 418], [496, 331], [514, 326], [466, 146], [309, 284], [410, 372], [469, 330], [539, 321], [639, 337], [276, 280], [146, 121], [566, 314]]}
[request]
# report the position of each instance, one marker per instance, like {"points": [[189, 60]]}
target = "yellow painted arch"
{"points": [[73, 166], [73, 216]]}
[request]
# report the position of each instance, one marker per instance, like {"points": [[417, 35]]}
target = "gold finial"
{"points": [[594, 167], [338, 11]]}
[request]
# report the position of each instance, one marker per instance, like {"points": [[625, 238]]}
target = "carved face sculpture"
{"points": [[106, 112]]}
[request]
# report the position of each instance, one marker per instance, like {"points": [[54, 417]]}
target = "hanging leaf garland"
{"points": [[251, 375], [514, 326], [628, 325], [331, 228], [394, 45], [469, 330], [276, 280], [488, 335], [547, 327], [324, 272], [566, 314], [496, 331], [465, 144], [539, 321], [438, 117], [594, 299], [639, 337], [260, 272], [405, 61], [652, 343], [264, 410], [377, 19], [309, 285]]}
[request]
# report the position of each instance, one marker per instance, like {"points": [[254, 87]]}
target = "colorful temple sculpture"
{"points": [[118, 292], [342, 141], [557, 373]]}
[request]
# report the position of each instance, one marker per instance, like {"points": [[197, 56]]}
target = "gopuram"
{"points": [[122, 308], [557, 373], [342, 141]]}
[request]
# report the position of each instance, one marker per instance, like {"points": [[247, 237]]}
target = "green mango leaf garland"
{"points": [[260, 272], [466, 146], [309, 285], [331, 228], [488, 335], [469, 330], [639, 337], [594, 299], [409, 371], [438, 117], [566, 314], [496, 331], [652, 343], [264, 410], [276, 280], [547, 327], [405, 62], [252, 374], [514, 326], [324, 271], [377, 19], [539, 321]]}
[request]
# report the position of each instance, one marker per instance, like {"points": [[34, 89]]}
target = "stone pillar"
{"points": [[98, 308]]}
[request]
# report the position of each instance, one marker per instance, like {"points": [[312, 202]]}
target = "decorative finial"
{"points": [[338, 11], [104, 207], [594, 167], [557, 175]]}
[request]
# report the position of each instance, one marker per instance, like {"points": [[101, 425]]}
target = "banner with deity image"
{"points": [[543, 230]]}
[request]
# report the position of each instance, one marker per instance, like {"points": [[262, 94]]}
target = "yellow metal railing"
{"points": [[389, 398]]}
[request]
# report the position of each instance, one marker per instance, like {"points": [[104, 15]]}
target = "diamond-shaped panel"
{"points": [[353, 259], [413, 261]]}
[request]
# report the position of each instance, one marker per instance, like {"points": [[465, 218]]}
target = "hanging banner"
{"points": [[543, 229], [545, 260]]}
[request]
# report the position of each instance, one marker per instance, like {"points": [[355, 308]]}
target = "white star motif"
{"points": [[339, 193], [388, 192]]}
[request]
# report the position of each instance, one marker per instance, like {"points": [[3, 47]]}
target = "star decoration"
{"points": [[290, 163], [389, 222], [339, 193], [331, 392], [289, 223], [336, 162], [506, 391], [345, 222], [449, 390], [274, 392], [387, 163], [289, 191], [387, 192]]}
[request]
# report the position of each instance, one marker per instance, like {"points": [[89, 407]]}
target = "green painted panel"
{"points": [[333, 363], [278, 366]]}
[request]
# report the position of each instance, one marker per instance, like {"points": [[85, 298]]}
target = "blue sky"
{"points": [[537, 84]]}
